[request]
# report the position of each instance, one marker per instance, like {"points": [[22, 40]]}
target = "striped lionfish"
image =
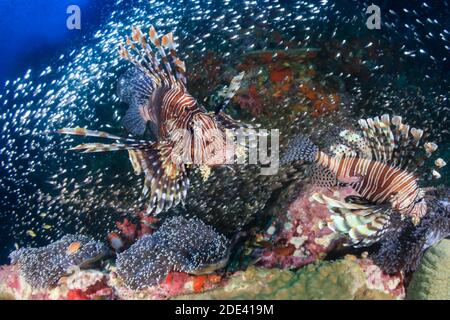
{"points": [[155, 90], [382, 163]]}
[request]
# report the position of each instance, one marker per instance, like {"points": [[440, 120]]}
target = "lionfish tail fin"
{"points": [[165, 181], [393, 142], [300, 148], [362, 223]]}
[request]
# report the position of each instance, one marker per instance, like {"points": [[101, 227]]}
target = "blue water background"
{"points": [[33, 32]]}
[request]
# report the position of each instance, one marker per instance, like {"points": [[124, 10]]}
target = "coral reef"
{"points": [[250, 101], [322, 101], [431, 281], [128, 232], [179, 244], [302, 227], [403, 245], [98, 285], [349, 278], [175, 284], [43, 267]]}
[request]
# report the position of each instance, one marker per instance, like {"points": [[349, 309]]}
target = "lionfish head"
{"points": [[210, 141]]}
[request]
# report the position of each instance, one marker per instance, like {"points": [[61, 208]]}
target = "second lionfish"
{"points": [[186, 134], [383, 162]]}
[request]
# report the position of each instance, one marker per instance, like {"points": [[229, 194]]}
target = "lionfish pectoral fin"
{"points": [[166, 182], [234, 86], [128, 143], [362, 223], [100, 147], [134, 162], [357, 200]]}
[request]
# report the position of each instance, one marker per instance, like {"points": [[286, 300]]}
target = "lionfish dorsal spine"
{"points": [[167, 69], [398, 144]]}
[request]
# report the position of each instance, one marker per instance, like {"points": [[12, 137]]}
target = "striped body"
{"points": [[375, 181], [197, 137]]}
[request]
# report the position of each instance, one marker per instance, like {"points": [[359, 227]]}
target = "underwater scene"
{"points": [[197, 150]]}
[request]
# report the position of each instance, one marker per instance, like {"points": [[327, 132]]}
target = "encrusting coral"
{"points": [[301, 226], [431, 281], [349, 278]]}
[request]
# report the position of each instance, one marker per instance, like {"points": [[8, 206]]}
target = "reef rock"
{"points": [[43, 267], [431, 281], [345, 279], [80, 285], [299, 234], [174, 284]]}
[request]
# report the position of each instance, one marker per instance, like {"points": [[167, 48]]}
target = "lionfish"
{"points": [[383, 163], [186, 134]]}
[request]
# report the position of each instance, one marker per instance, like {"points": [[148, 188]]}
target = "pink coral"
{"points": [[127, 229], [302, 225], [377, 279]]}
